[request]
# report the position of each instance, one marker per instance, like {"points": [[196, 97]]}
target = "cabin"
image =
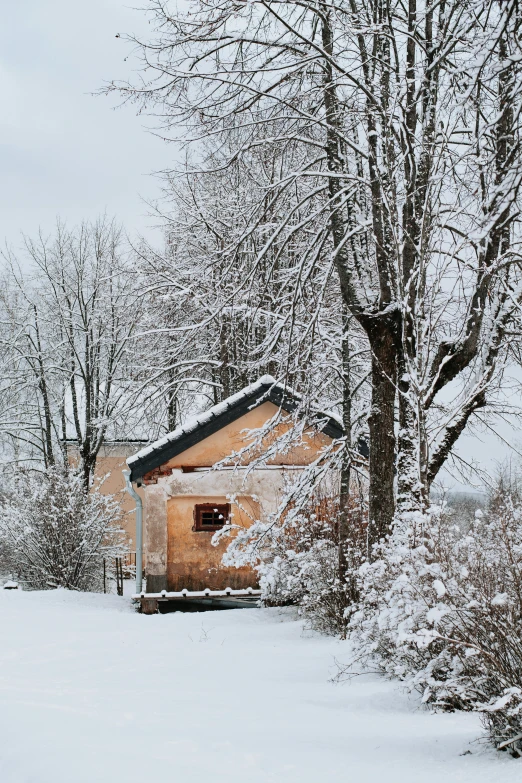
{"points": [[189, 479]]}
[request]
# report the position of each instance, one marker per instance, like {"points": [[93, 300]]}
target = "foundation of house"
{"points": [[197, 600]]}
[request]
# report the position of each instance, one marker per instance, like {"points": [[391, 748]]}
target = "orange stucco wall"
{"points": [[233, 438], [192, 561], [110, 468], [109, 480], [178, 557]]}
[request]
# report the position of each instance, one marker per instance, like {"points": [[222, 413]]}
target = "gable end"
{"points": [[266, 390]]}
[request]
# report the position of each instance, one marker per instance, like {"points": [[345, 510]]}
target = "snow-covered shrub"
{"points": [[441, 609], [462, 507], [298, 563], [55, 534]]}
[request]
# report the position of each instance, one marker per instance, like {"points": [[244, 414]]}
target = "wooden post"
{"points": [[119, 575], [149, 605]]}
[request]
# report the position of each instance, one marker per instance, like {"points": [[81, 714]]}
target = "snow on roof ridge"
{"points": [[201, 418]]}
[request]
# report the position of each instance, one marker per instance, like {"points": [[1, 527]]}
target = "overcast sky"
{"points": [[63, 151]]}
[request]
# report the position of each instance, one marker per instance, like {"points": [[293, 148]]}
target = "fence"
{"points": [[124, 568]]}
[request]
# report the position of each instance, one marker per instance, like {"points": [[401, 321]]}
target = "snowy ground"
{"points": [[92, 692]]}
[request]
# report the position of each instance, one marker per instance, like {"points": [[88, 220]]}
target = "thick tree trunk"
{"points": [[382, 433], [345, 521], [87, 467], [412, 456], [381, 327]]}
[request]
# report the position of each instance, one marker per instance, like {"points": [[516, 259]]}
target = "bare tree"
{"points": [[69, 323], [219, 318], [410, 122]]}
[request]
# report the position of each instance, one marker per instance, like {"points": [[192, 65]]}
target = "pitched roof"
{"points": [[205, 424]]}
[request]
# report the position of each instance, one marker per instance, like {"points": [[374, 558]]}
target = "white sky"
{"points": [[64, 151]]}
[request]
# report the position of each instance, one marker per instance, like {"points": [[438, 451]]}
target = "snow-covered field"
{"points": [[91, 691]]}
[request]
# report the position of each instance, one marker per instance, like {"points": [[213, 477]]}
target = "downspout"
{"points": [[139, 529]]}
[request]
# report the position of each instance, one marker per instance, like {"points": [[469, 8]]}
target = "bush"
{"points": [[441, 609], [298, 561], [54, 534]]}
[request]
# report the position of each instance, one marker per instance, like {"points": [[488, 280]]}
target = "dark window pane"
{"points": [[208, 516]]}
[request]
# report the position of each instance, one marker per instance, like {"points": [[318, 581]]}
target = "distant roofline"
{"points": [[199, 427]]}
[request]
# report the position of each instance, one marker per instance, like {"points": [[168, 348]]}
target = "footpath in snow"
{"points": [[92, 692]]}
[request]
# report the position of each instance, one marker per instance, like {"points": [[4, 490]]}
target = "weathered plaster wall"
{"points": [[179, 557], [192, 561], [233, 438], [155, 537], [109, 465]]}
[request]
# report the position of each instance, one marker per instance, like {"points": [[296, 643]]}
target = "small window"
{"points": [[211, 516]]}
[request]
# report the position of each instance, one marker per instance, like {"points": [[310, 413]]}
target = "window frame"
{"points": [[199, 508]]}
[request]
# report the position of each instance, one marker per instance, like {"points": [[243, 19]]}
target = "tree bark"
{"points": [[382, 430], [345, 520], [381, 327]]}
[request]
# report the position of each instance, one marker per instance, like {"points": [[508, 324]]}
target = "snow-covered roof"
{"points": [[204, 424]]}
